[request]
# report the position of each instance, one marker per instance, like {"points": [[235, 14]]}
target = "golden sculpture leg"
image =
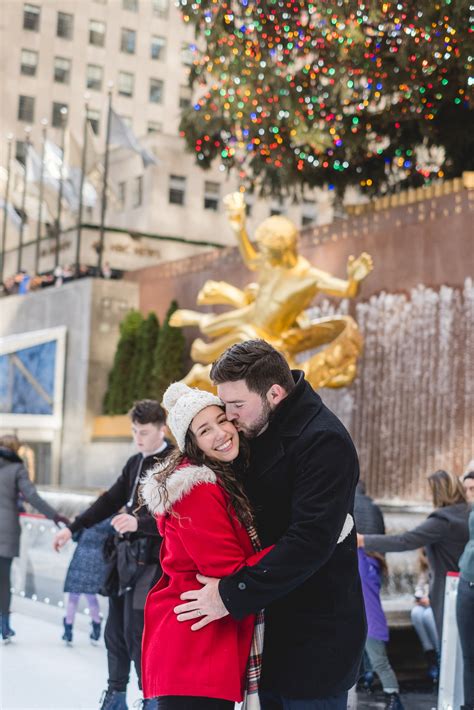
{"points": [[335, 365]]}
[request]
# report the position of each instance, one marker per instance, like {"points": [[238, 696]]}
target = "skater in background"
{"points": [[14, 481], [423, 620], [443, 534], [465, 600], [85, 575], [369, 520]]}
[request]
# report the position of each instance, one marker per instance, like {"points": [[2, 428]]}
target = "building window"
{"points": [[130, 5], [156, 91], [58, 116], [20, 151], [277, 207], [62, 70], [94, 77], [185, 95], [211, 195], [93, 116], [249, 200], [177, 189], [308, 213], [158, 48], [65, 24], [29, 62], [97, 33], [128, 41], [137, 192], [125, 83], [31, 17], [154, 127], [26, 109], [122, 195], [160, 8], [187, 53]]}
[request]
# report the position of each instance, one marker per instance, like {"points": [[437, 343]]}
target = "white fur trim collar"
{"points": [[178, 484]]}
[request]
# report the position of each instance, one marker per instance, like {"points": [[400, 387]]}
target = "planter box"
{"points": [[111, 427]]}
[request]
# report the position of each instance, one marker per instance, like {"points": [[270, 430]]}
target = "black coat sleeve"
{"points": [[106, 505], [325, 477], [430, 531], [147, 525]]}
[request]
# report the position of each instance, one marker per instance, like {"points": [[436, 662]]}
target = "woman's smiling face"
{"points": [[215, 435]]}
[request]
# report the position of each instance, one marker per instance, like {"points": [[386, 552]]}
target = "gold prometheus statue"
{"points": [[274, 307]]}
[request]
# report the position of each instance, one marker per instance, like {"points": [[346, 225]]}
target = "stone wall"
{"points": [[427, 242], [91, 310]]}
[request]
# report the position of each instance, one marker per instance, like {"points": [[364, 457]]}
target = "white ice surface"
{"points": [[37, 670]]}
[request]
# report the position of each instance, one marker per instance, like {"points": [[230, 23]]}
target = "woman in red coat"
{"points": [[206, 524]]}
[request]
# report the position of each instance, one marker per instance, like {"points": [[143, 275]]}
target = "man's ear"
{"points": [[275, 395]]}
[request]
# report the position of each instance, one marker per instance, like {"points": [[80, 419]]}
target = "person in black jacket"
{"points": [[301, 482], [124, 627]]}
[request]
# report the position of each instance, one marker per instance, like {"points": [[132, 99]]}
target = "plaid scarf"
{"points": [[254, 667]]}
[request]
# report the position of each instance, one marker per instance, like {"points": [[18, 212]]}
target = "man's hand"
{"points": [[360, 540], [206, 603], [125, 523], [61, 538]]}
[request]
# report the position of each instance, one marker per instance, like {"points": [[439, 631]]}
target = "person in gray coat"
{"points": [[14, 481], [443, 534]]}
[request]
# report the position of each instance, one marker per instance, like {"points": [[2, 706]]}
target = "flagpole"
{"points": [[44, 124], [23, 200], [5, 206], [104, 184], [81, 187], [61, 182]]}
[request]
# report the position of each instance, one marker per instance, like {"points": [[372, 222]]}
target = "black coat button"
{"points": [[242, 585]]}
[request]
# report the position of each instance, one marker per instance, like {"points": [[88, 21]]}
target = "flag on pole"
{"points": [[12, 214], [122, 135]]}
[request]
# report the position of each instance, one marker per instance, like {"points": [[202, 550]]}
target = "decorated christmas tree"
{"points": [[370, 93]]}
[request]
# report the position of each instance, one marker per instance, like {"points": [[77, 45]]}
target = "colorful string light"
{"points": [[345, 92]]}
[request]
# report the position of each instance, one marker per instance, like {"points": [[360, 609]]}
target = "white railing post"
{"points": [[450, 696]]}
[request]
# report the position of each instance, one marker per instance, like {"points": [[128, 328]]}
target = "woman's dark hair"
{"points": [[446, 489], [226, 476], [257, 363]]}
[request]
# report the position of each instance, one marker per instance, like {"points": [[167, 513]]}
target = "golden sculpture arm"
{"points": [[357, 270], [234, 205], [221, 292]]}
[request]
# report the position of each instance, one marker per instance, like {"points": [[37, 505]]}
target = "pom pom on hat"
{"points": [[182, 404]]}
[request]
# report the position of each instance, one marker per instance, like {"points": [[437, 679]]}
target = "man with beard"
{"points": [[301, 482]]}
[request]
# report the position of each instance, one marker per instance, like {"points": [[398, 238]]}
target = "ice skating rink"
{"points": [[39, 672]]}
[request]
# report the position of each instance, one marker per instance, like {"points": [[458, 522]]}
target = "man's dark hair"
{"points": [[148, 411], [469, 474], [257, 363]]}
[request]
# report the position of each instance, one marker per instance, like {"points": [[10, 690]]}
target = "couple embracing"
{"points": [[260, 598]]}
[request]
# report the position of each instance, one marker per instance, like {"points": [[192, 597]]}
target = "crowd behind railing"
{"points": [[23, 281]]}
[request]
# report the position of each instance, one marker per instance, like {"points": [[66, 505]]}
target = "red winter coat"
{"points": [[205, 538]]}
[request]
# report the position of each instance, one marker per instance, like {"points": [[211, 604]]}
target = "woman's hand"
{"points": [[125, 523], [61, 538], [360, 540]]}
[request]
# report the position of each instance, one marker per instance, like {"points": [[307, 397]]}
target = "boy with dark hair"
{"points": [[301, 483], [124, 628]]}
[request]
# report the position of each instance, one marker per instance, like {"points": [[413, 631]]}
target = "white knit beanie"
{"points": [[182, 404]]}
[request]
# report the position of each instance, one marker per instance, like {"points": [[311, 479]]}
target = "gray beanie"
{"points": [[182, 404]]}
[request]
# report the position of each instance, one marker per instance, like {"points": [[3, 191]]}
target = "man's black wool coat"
{"points": [[301, 481]]}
